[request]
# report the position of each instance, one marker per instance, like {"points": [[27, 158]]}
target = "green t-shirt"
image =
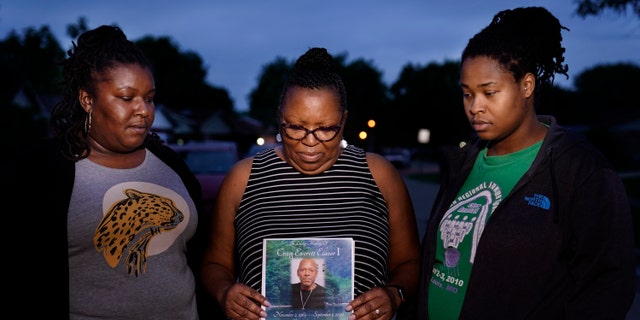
{"points": [[490, 180]]}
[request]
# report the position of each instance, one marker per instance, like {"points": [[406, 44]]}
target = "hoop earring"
{"points": [[87, 122], [278, 137], [343, 144]]}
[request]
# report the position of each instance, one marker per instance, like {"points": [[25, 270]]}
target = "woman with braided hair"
{"points": [[314, 185], [113, 211], [531, 221]]}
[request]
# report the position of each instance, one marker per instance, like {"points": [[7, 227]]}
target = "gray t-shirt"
{"points": [[128, 230]]}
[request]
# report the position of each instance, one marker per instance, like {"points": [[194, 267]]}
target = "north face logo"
{"points": [[538, 200]]}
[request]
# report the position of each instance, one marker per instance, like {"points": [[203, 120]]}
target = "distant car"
{"points": [[399, 157], [209, 161]]}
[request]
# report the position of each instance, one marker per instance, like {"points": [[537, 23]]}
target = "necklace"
{"points": [[304, 302]]}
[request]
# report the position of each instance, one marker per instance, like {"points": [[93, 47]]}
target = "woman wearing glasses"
{"points": [[314, 185]]}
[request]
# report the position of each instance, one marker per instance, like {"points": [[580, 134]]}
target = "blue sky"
{"points": [[237, 38]]}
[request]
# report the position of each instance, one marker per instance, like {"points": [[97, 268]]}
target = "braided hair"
{"points": [[97, 51], [523, 40], [316, 69]]}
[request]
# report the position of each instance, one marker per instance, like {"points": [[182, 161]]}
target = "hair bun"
{"points": [[316, 59]]}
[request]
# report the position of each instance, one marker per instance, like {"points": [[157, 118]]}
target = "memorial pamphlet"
{"points": [[334, 282]]}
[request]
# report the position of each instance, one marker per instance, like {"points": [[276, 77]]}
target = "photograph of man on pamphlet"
{"points": [[308, 278], [307, 293]]}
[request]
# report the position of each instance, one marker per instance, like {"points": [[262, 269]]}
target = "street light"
{"points": [[424, 135]]}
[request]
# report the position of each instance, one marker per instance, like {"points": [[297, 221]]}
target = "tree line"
{"points": [[423, 96]]}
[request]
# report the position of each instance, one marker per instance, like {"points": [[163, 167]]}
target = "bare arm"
{"points": [[404, 256], [219, 279]]}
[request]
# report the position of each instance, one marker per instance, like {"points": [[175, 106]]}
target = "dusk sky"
{"points": [[236, 39]]}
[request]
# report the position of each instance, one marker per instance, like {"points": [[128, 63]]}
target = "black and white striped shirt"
{"points": [[342, 202]]}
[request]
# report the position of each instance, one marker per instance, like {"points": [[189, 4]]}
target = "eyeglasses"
{"points": [[322, 134]]}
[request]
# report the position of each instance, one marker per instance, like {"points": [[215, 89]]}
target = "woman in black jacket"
{"points": [[531, 221]]}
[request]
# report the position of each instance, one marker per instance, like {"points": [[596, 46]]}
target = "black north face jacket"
{"points": [[559, 246]]}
